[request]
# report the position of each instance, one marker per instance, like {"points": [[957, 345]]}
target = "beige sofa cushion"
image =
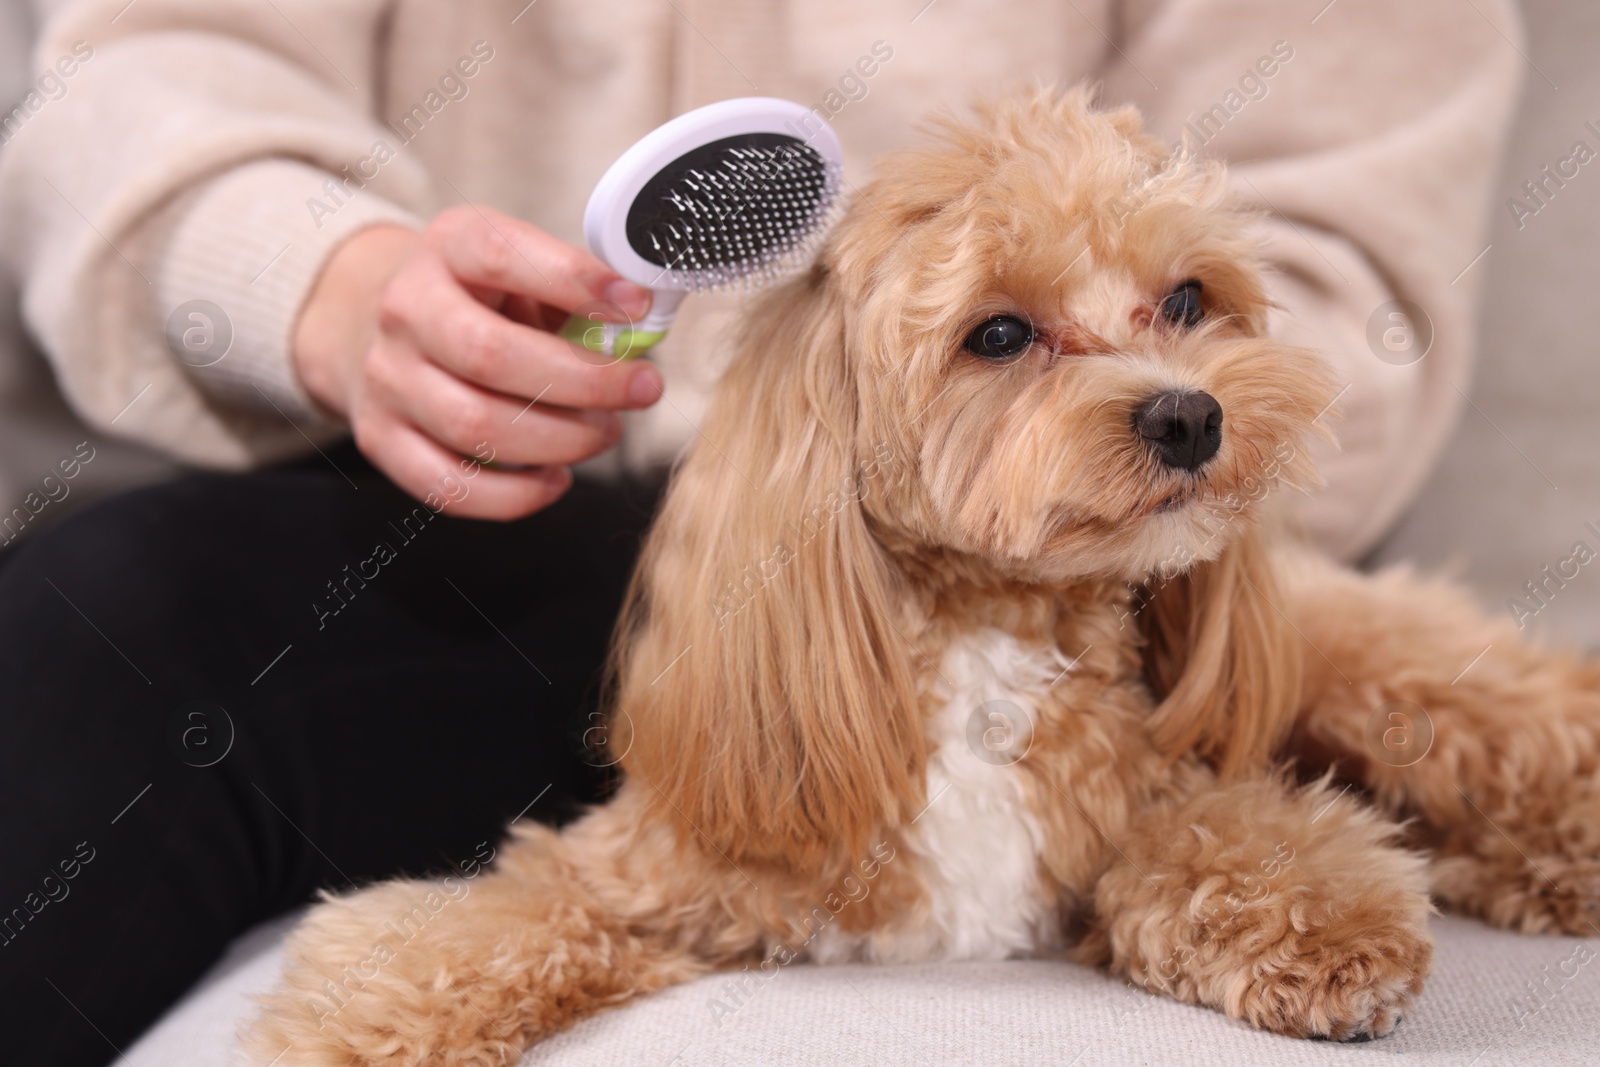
{"points": [[1495, 999]]}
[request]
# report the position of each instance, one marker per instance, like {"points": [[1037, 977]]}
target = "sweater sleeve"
{"points": [[1370, 134], [169, 195]]}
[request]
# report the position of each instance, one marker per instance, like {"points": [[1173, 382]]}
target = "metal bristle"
{"points": [[741, 216]]}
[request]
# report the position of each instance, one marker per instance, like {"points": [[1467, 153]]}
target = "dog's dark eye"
{"points": [[1000, 337], [1181, 307]]}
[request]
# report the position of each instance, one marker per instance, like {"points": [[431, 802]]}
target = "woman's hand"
{"points": [[438, 345]]}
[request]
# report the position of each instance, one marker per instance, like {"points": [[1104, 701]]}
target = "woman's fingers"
{"points": [[488, 250], [483, 346], [463, 364], [464, 418], [444, 481]]}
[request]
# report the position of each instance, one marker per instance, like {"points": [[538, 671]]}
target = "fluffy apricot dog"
{"points": [[960, 638]]}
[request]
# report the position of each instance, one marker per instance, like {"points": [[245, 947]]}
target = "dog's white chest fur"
{"points": [[977, 843]]}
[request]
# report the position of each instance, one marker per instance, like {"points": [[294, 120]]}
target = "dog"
{"points": [[971, 632]]}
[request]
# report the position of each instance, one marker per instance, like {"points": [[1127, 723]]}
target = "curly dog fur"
{"points": [[931, 656]]}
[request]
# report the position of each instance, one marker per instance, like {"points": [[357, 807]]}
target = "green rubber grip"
{"points": [[610, 338]]}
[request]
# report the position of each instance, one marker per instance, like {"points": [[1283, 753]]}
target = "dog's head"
{"points": [[1035, 348], [1059, 324]]}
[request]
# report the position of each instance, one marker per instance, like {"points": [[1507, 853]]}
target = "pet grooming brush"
{"points": [[731, 195]]}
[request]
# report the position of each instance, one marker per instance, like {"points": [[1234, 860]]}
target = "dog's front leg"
{"points": [[1290, 909], [1490, 745], [464, 971]]}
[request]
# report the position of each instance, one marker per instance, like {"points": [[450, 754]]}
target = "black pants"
{"points": [[222, 694]]}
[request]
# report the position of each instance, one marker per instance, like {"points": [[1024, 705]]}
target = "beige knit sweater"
{"points": [[218, 150]]}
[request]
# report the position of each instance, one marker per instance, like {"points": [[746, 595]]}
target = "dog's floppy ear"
{"points": [[1225, 665], [758, 661]]}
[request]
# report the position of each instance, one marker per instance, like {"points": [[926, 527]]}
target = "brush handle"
{"points": [[610, 338], [625, 340]]}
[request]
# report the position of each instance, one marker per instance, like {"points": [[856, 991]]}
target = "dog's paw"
{"points": [[1289, 909], [1533, 867], [1541, 894], [1353, 990], [422, 974], [419, 1030], [369, 981]]}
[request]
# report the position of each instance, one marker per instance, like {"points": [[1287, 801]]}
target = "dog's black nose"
{"points": [[1185, 429]]}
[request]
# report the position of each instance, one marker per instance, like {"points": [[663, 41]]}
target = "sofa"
{"points": [[1496, 999]]}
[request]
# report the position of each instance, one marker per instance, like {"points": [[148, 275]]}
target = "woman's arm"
{"points": [[174, 156]]}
